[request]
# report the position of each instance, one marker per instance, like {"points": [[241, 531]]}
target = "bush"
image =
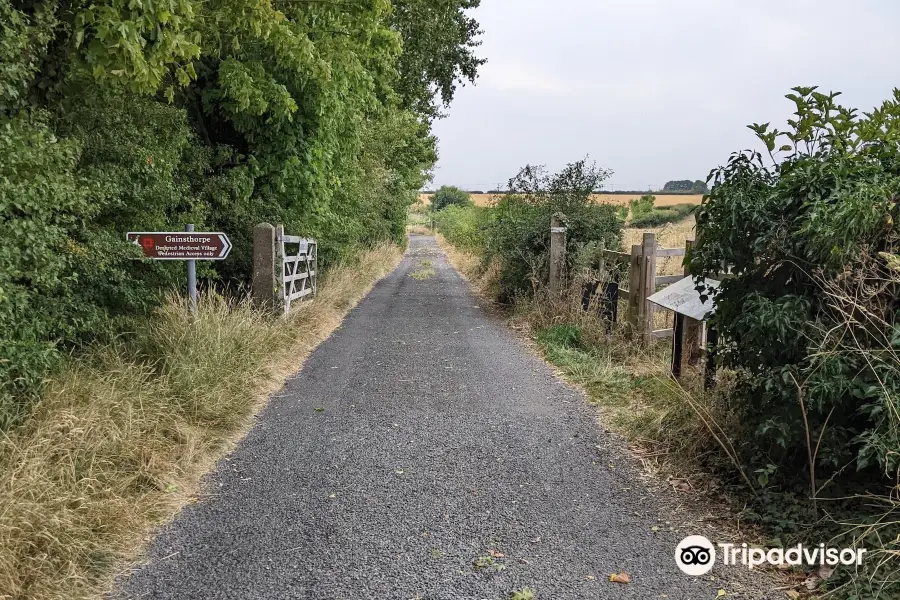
{"points": [[464, 226], [811, 318], [450, 195], [642, 206], [519, 236], [42, 203]]}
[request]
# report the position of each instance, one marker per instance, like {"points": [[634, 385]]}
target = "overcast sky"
{"points": [[653, 89]]}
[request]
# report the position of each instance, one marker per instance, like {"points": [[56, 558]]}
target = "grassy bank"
{"points": [[121, 438]]}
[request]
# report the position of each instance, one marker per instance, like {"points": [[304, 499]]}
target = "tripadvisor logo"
{"points": [[696, 555]]}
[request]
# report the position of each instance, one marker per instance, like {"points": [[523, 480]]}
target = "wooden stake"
{"points": [[648, 284]]}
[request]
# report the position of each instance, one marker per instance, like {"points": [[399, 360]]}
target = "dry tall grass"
{"points": [[121, 438], [672, 235]]}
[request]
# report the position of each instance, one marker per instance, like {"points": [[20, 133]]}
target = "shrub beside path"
{"points": [[424, 452]]}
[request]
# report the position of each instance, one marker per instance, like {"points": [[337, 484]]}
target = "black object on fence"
{"points": [[677, 345], [609, 304], [712, 338]]}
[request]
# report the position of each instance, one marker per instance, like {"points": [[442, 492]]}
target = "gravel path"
{"points": [[416, 440]]}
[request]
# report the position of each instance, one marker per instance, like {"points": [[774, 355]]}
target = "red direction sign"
{"points": [[181, 245]]}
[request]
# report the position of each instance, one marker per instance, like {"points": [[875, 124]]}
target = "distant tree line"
{"points": [[681, 186]]}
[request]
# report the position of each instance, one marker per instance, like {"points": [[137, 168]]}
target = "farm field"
{"points": [[621, 199]]}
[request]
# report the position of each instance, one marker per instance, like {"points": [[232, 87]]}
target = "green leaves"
{"points": [[811, 242], [137, 43], [148, 114]]}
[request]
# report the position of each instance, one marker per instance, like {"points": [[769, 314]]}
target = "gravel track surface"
{"points": [[419, 439]]}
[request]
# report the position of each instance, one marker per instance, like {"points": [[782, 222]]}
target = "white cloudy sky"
{"points": [[653, 89]]}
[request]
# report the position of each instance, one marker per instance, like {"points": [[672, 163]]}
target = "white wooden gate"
{"points": [[298, 257]]}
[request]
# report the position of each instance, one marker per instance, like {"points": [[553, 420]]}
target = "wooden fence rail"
{"points": [[643, 281], [285, 267], [688, 335], [298, 257]]}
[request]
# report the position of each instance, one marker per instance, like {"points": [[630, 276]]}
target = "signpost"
{"points": [[182, 245], [188, 245]]}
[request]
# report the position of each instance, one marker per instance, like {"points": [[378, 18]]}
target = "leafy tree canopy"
{"points": [[450, 195], [120, 115]]}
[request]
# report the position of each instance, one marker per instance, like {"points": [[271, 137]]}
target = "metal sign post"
{"points": [[192, 276], [188, 245]]}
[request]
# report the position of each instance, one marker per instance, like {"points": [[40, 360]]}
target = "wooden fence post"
{"points": [[634, 287], [692, 327], [557, 251], [265, 286], [648, 284]]}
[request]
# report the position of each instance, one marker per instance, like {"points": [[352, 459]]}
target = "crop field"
{"points": [[620, 199]]}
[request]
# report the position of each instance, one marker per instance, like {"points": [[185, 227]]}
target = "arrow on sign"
{"points": [[226, 246]]}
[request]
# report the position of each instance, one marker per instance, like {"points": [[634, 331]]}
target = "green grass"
{"points": [[632, 388], [425, 271], [662, 216]]}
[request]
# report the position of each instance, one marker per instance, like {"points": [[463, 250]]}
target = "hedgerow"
{"points": [[138, 116], [811, 314]]}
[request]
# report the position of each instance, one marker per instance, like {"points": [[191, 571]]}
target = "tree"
{"points": [[450, 195], [682, 185], [439, 41], [225, 113], [699, 187]]}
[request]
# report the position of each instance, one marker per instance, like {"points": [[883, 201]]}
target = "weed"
{"points": [[487, 562], [526, 593], [425, 271]]}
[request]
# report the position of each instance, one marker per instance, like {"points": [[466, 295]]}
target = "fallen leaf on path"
{"points": [[792, 594], [721, 593], [622, 577], [496, 554]]}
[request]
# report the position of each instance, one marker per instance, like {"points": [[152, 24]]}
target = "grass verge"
{"points": [[121, 438]]}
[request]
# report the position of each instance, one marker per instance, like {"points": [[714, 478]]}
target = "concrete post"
{"points": [[265, 286], [557, 251]]}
